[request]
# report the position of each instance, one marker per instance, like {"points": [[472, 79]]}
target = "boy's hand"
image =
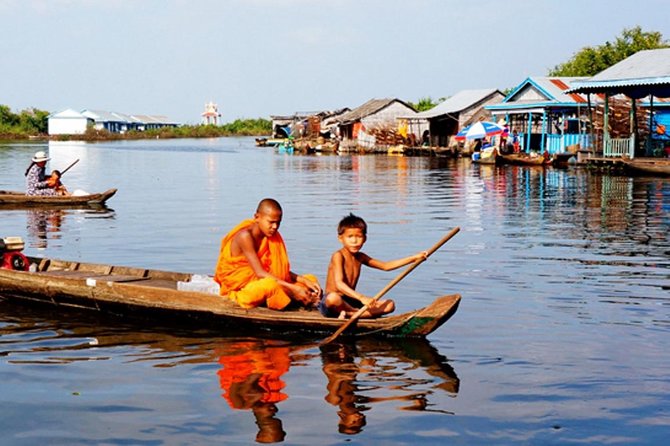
{"points": [[423, 255], [365, 300]]}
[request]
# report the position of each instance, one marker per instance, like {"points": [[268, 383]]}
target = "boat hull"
{"points": [[13, 199], [525, 160], [649, 166], [144, 293]]}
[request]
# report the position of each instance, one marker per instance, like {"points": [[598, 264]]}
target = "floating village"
{"points": [[615, 120]]}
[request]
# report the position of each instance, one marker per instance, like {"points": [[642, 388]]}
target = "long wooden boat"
{"points": [[651, 166], [148, 293], [20, 199], [525, 160]]}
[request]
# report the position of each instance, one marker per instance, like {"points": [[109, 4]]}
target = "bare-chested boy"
{"points": [[341, 298]]}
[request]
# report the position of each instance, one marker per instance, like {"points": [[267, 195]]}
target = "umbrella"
{"points": [[480, 129]]}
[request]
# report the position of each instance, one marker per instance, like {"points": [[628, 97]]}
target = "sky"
{"points": [[256, 58]]}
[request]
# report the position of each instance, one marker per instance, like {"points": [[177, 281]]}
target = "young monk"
{"points": [[253, 267], [341, 299]]}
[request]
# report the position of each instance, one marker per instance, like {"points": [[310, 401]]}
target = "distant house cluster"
{"points": [[72, 122], [624, 110]]}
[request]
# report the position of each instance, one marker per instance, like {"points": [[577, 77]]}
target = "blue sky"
{"points": [[256, 58]]}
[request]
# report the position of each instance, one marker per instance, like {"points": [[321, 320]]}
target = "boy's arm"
{"points": [[393, 264], [341, 285]]}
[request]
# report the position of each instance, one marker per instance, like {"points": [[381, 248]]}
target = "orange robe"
{"points": [[239, 281], [254, 376]]}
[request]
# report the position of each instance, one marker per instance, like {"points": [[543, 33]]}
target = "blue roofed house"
{"points": [[546, 116], [644, 77]]}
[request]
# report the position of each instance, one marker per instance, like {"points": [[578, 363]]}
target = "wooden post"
{"points": [[606, 132]]}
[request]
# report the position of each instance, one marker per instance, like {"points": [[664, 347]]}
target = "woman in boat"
{"points": [[37, 181]]}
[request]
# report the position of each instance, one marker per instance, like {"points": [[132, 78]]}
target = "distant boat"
{"points": [[525, 159], [15, 199], [488, 155]]}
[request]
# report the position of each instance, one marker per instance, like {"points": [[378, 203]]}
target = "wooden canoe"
{"points": [[20, 199], [525, 160], [651, 166], [148, 293]]}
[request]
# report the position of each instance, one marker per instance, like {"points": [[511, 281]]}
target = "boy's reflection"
{"points": [[381, 366], [341, 370], [40, 222], [251, 379]]}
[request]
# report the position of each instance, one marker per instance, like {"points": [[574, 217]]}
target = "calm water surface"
{"points": [[562, 336]]}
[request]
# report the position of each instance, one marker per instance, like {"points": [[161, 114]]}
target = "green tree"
{"points": [[590, 61], [424, 104]]}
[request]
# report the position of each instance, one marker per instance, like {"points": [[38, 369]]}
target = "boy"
{"points": [[341, 299]]}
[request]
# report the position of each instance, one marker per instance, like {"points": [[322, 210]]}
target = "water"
{"points": [[562, 335]]}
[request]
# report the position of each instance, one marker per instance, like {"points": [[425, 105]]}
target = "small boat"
{"points": [[525, 159], [488, 155], [148, 293], [651, 166], [14, 199]]}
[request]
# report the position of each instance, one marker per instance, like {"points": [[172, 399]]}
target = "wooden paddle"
{"points": [[390, 285], [69, 167]]}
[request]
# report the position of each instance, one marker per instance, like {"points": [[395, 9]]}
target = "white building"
{"points": [[68, 122]]}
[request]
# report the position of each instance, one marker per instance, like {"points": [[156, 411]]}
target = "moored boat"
{"points": [[149, 293], [15, 199], [488, 155], [651, 166], [525, 159]]}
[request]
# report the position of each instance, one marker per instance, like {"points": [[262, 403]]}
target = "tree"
{"points": [[590, 61], [424, 104]]}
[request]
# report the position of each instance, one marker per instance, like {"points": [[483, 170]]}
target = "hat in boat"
{"points": [[40, 156]]}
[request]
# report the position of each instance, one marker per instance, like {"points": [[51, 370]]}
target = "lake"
{"points": [[562, 336]]}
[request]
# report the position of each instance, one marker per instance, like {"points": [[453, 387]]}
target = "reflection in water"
{"points": [[356, 372], [44, 224], [252, 373], [251, 379], [39, 222]]}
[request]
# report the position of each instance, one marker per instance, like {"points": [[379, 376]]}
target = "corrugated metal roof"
{"points": [[648, 64], [67, 113], [369, 108], [457, 103], [102, 116], [645, 72]]}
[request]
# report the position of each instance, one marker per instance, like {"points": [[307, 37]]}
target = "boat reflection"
{"points": [[252, 373], [359, 375], [44, 224]]}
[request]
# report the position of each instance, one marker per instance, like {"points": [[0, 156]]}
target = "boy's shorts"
{"points": [[329, 312]]}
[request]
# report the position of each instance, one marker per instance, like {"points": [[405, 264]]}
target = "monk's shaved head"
{"points": [[268, 205]]}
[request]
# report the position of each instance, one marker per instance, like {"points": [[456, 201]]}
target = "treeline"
{"points": [[34, 123], [21, 125]]}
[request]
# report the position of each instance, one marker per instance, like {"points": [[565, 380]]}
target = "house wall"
{"points": [[67, 126], [387, 116]]}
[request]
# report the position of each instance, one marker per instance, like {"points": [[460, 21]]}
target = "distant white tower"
{"points": [[211, 114]]}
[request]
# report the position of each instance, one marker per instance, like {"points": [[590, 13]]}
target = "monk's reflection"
{"points": [[251, 379], [41, 222]]}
